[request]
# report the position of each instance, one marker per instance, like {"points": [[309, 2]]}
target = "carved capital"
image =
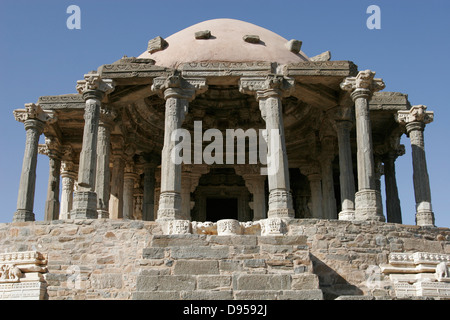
{"points": [[363, 84], [93, 86], [415, 114], [178, 86], [263, 87], [51, 148], [34, 112]]}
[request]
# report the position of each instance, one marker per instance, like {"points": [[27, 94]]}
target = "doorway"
{"points": [[221, 208]]}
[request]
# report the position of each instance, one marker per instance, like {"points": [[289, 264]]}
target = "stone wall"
{"points": [[115, 259]]}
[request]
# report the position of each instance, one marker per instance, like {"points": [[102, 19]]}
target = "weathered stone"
{"points": [[204, 34], [196, 267], [251, 38]]}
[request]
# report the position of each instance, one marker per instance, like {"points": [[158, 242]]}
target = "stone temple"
{"points": [[277, 195]]}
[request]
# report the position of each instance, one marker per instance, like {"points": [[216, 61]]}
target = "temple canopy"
{"points": [[327, 126]]}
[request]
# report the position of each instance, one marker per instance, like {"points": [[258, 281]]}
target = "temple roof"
{"points": [[226, 44]]}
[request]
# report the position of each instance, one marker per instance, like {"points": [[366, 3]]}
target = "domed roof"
{"points": [[225, 44]]}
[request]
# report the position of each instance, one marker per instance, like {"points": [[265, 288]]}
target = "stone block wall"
{"points": [[115, 259]]}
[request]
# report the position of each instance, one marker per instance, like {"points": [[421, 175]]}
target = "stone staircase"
{"points": [[211, 267]]}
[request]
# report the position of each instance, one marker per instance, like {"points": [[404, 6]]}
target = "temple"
{"points": [[330, 130], [224, 163]]}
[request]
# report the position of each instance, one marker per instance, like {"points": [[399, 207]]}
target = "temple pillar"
{"points": [[129, 180], [415, 120], [312, 172], [93, 89], [52, 204], [177, 92], [103, 175], [255, 183], [269, 91], [68, 177], [34, 119], [346, 177], [393, 209], [326, 168], [149, 192], [368, 205]]}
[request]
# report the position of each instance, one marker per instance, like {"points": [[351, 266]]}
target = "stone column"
{"points": [[68, 177], [177, 92], [269, 91], [103, 176], [346, 178], [52, 150], [312, 172], [34, 119], [368, 204], [326, 167], [393, 209], [117, 177], [415, 120], [149, 192], [128, 191], [93, 89], [255, 183]]}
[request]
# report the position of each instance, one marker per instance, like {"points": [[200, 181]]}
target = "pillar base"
{"points": [[22, 215], [280, 204], [84, 205], [347, 215], [170, 227], [368, 206], [227, 227], [425, 219], [103, 214], [169, 206], [273, 227]]}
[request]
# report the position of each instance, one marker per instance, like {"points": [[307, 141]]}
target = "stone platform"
{"points": [[316, 259]]}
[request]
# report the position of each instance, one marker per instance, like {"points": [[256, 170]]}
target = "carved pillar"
{"points": [[93, 89], [177, 92], [117, 177], [312, 172], [393, 209], [368, 204], [326, 167], [255, 182], [103, 175], [269, 91], [346, 178], [129, 179], [52, 149], [68, 177], [415, 120], [34, 119], [148, 213]]}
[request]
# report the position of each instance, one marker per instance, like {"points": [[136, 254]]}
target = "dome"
{"points": [[225, 44]]}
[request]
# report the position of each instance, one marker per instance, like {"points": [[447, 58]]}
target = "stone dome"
{"points": [[225, 44]]}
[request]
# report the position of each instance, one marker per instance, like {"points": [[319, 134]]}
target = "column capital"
{"points": [[174, 85], [415, 118], [107, 116], [34, 112], [94, 87], [363, 85], [268, 86]]}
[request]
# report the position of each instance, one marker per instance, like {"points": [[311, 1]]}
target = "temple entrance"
{"points": [[221, 194], [221, 208]]}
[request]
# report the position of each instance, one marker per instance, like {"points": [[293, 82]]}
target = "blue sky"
{"points": [[39, 56]]}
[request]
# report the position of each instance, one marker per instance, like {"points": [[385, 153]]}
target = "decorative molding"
{"points": [[415, 114], [34, 112], [364, 80]]}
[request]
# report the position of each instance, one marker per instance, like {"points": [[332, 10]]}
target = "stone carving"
{"points": [[93, 81], [364, 80], [415, 114], [251, 38], [35, 112], [179, 227], [21, 275], [324, 56], [228, 227], [272, 227], [157, 44], [252, 85], [419, 274]]}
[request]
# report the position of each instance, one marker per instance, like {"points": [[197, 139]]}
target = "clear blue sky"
{"points": [[40, 56]]}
